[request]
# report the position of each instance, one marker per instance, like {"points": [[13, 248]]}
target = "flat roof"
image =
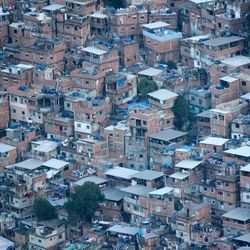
{"points": [[246, 96], [201, 1], [45, 146], [156, 25], [162, 94], [242, 151], [239, 213], [113, 194], [95, 51], [29, 164], [139, 190], [98, 14], [95, 179], [188, 164], [53, 7], [150, 72], [236, 61], [55, 164], [221, 111], [51, 173], [124, 229], [5, 243], [245, 168], [244, 237], [167, 135], [148, 175], [179, 176], [222, 40], [217, 141], [6, 148], [229, 79], [124, 173], [162, 191]]}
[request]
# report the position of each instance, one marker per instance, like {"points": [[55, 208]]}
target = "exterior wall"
{"points": [[4, 110]]}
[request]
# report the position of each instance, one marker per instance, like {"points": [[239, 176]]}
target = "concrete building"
{"points": [[161, 44]]}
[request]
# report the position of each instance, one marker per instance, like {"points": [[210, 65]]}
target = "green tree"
{"points": [[43, 209], [84, 202], [115, 3], [146, 86], [181, 112]]}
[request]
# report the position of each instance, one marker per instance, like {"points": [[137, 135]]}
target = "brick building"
{"points": [[161, 44]]}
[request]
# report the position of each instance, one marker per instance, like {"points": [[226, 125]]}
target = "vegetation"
{"points": [[181, 112], [43, 209], [115, 3], [84, 202], [146, 86]]}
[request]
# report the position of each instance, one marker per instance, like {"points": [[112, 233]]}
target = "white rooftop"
{"points": [[162, 94], [217, 141], [148, 175], [5, 243], [188, 164], [95, 51], [124, 173], [162, 191], [179, 176], [246, 96], [55, 164], [229, 79], [95, 179], [239, 213], [201, 1], [236, 61], [242, 151], [4, 148], [124, 229], [221, 111], [245, 168], [156, 25], [51, 173], [53, 7], [98, 14], [150, 72], [45, 146], [29, 164]]}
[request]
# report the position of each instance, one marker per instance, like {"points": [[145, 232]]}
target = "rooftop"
{"points": [[236, 61], [113, 194], [4, 148], [156, 25], [219, 41], [5, 243], [229, 79], [148, 175], [244, 238], [179, 176], [168, 135], [124, 229], [95, 179], [124, 173], [162, 191], [188, 164], [53, 7], [150, 72], [95, 51], [239, 213], [241, 151], [55, 164], [162, 94], [246, 168], [29, 164], [138, 190], [217, 141], [45, 146]]}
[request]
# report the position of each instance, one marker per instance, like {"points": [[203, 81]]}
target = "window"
{"points": [[78, 125], [144, 122], [23, 112], [141, 155], [15, 31], [243, 83], [68, 105], [88, 127], [237, 125]]}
